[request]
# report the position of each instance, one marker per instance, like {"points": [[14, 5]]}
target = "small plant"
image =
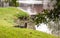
{"points": [[22, 15]]}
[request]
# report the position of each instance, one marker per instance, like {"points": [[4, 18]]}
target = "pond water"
{"points": [[44, 28]]}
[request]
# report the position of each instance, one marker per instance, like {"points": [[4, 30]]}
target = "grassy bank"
{"points": [[11, 32], [7, 16]]}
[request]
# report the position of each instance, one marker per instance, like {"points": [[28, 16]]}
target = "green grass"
{"points": [[7, 16], [11, 32]]}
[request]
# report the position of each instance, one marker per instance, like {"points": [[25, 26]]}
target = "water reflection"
{"points": [[43, 27]]}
